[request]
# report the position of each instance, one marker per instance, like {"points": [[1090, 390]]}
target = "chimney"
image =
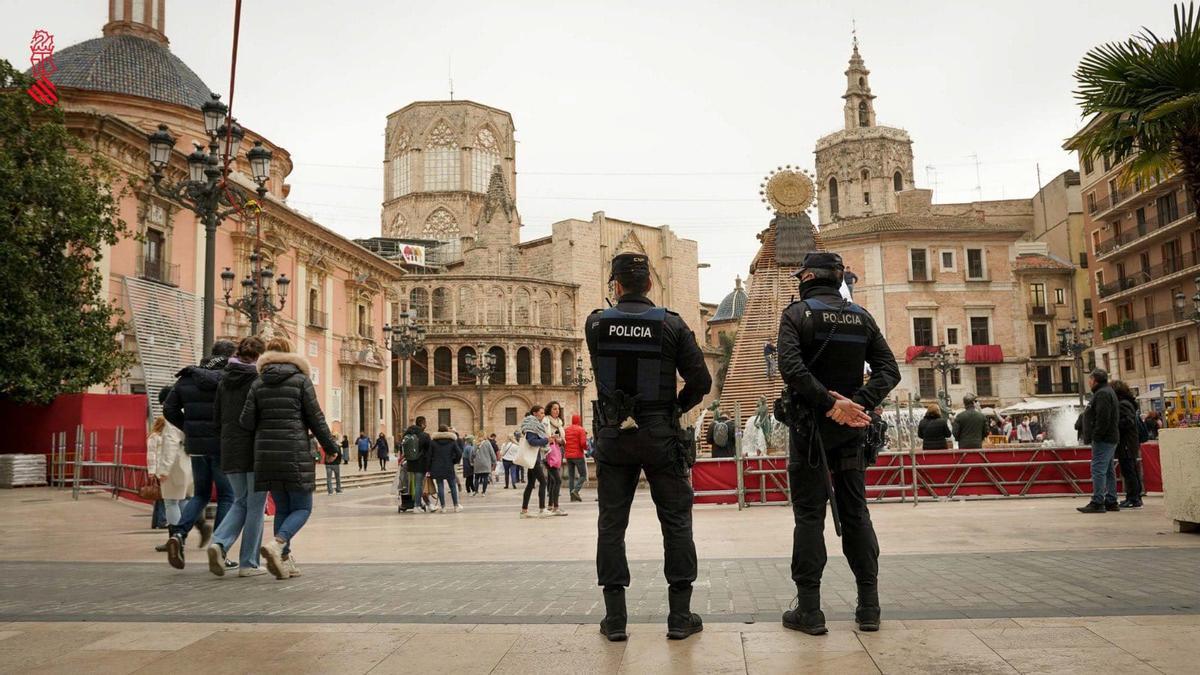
{"points": [[914, 201], [141, 18]]}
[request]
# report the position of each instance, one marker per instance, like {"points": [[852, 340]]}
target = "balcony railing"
{"points": [[158, 270], [362, 355], [1049, 388], [317, 318], [1100, 206], [1041, 312], [1127, 237], [1040, 352], [366, 330], [1155, 272], [1131, 326]]}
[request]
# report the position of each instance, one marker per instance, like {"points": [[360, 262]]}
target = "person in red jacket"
{"points": [[575, 440]]}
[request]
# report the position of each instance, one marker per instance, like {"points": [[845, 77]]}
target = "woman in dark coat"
{"points": [[382, 451], [237, 461], [445, 450], [1129, 445], [933, 430], [282, 408]]}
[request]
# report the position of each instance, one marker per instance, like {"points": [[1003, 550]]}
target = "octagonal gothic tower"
{"points": [[438, 161], [861, 167]]}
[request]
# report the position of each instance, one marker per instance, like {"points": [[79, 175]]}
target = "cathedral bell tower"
{"points": [[861, 167]]}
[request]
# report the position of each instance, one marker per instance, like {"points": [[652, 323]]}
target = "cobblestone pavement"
{"points": [[941, 586]]}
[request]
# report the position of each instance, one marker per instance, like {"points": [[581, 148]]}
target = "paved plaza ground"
{"points": [[989, 586]]}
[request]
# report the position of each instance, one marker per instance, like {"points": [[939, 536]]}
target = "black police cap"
{"points": [[821, 260], [629, 264]]}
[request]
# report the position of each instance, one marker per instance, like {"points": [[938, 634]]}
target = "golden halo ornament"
{"points": [[788, 190]]}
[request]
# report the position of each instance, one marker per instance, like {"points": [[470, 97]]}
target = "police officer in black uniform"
{"points": [[636, 350], [823, 342]]}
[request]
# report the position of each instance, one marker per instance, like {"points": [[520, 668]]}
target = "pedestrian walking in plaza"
{"points": [[189, 406], [445, 452], [345, 450], [495, 450], [933, 429], [574, 447], [1129, 445], [483, 461], [508, 454], [534, 432], [555, 430], [333, 470], [415, 444], [364, 450], [172, 467], [468, 468], [824, 340], [636, 350], [245, 518], [1153, 423], [382, 451], [1101, 430], [282, 409], [970, 425]]}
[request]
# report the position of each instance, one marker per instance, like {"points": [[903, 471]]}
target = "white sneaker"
{"points": [[290, 566], [559, 512], [457, 508], [272, 553], [526, 514], [251, 572], [544, 514], [216, 559]]}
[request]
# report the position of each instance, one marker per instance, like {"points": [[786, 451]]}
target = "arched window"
{"points": [[863, 116], [524, 366], [500, 374], [484, 157], [442, 368], [546, 361], [862, 81], [418, 303], [466, 306], [897, 181], [364, 328], [441, 309], [442, 160], [418, 367], [521, 312], [442, 226], [833, 196], [401, 167], [314, 308], [866, 175], [496, 315], [568, 366], [464, 374]]}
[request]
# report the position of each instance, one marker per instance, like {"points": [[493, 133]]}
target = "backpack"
{"points": [[410, 445], [721, 434]]}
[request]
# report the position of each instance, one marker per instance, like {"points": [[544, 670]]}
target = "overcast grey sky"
{"points": [[658, 112]]}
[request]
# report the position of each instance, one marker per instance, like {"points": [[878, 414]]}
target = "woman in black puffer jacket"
{"points": [[282, 408], [933, 429], [1129, 446]]}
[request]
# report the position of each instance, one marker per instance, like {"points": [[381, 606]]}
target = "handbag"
{"points": [[427, 488], [527, 455], [554, 457], [151, 492]]}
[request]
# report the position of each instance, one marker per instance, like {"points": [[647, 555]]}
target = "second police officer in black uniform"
{"points": [[823, 342], [636, 350]]}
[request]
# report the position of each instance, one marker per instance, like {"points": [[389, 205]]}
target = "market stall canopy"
{"points": [[1031, 405]]}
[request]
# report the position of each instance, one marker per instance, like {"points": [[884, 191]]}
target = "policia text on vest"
{"points": [[823, 343], [636, 351]]}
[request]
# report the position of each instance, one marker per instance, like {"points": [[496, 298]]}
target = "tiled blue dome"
{"points": [[732, 306], [128, 64]]}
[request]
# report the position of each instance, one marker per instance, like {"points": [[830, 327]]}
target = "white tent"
{"points": [[1033, 405]]}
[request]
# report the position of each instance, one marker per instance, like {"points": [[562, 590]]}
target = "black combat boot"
{"points": [[867, 613], [681, 622], [613, 625], [806, 616]]}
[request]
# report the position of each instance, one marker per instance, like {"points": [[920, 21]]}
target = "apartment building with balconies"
{"points": [[1143, 246]]}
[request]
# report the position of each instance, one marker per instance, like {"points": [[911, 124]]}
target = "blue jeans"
{"points": [[1104, 474], [244, 518], [205, 471], [292, 510], [441, 486]]}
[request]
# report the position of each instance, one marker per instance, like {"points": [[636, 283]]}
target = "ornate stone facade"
{"points": [[861, 167]]}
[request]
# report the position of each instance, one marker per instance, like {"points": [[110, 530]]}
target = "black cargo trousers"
{"points": [[859, 543], [620, 460]]}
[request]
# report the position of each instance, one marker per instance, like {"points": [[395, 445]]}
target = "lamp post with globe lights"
{"points": [[1075, 342], [206, 190], [579, 378], [404, 340], [481, 365]]}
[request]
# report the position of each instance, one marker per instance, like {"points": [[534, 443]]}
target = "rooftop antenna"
{"points": [[450, 75], [978, 182], [931, 175]]}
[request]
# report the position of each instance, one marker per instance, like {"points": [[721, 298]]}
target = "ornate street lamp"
{"points": [[1075, 342], [403, 340], [944, 360], [580, 379], [259, 290], [481, 365], [206, 192]]}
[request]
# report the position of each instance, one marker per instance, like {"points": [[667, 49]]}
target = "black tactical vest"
{"points": [[840, 335], [629, 357]]}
